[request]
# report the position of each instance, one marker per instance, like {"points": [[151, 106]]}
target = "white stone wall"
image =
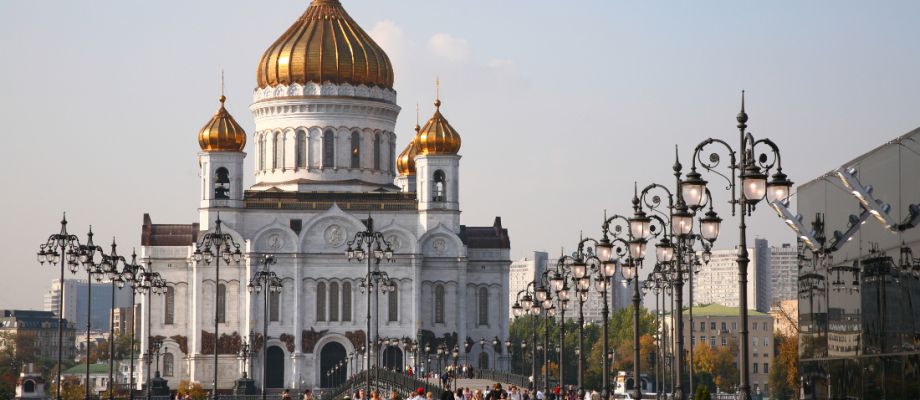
{"points": [[314, 109], [423, 258]]}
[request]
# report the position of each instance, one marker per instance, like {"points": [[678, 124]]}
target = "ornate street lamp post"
{"points": [[268, 282], [87, 256], [371, 246], [109, 267], [60, 248], [151, 283], [559, 284], [153, 354], [133, 276], [217, 246], [752, 174], [525, 304]]}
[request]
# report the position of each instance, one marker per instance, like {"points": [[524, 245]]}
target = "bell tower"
{"points": [[437, 166], [220, 161]]}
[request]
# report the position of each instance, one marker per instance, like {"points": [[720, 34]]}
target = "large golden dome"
{"points": [[325, 44], [405, 161], [222, 133], [437, 136]]}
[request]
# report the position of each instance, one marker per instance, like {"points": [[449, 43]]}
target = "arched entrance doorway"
{"points": [[274, 367], [392, 358], [332, 354]]}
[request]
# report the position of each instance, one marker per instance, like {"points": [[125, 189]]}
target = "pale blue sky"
{"points": [[561, 105]]}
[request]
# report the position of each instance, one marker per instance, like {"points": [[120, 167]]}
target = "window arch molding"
{"points": [[439, 303], [355, 149], [277, 150], [328, 148], [439, 186]]}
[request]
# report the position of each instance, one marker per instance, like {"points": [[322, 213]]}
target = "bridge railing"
{"points": [[382, 380], [507, 377]]}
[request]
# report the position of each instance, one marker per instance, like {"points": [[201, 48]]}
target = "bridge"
{"points": [[402, 383]]}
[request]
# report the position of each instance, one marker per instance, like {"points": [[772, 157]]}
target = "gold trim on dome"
{"points": [[437, 136], [405, 161], [325, 44], [222, 133]]}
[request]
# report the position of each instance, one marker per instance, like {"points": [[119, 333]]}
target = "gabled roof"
{"points": [[168, 234], [81, 369], [486, 237]]}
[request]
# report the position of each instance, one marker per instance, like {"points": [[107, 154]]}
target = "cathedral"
{"points": [[326, 165]]}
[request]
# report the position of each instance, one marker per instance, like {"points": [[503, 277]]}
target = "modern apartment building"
{"points": [[718, 326], [717, 282]]}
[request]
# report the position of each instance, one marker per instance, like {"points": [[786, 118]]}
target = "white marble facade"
{"points": [[427, 262]]}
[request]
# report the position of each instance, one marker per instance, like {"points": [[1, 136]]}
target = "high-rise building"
{"points": [[76, 294], [784, 269], [125, 317], [523, 272], [717, 282]]}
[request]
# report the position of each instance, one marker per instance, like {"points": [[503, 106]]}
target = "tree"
{"points": [[702, 393], [718, 364], [784, 380], [194, 390], [72, 389]]}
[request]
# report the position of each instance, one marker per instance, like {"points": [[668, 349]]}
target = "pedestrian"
{"points": [[286, 395], [514, 393], [307, 395]]}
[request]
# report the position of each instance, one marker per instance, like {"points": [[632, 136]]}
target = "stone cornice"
{"points": [[328, 89]]}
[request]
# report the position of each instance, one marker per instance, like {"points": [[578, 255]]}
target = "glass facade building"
{"points": [[859, 305]]}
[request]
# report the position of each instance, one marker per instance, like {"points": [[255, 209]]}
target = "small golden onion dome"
{"points": [[437, 136], [222, 133], [405, 162], [325, 44]]}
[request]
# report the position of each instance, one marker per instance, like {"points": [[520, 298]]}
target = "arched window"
{"points": [[168, 364], [321, 301], [333, 301], [169, 306], [393, 308], [439, 188], [28, 386], [221, 303], [483, 306], [439, 304], [262, 151], [355, 149], [278, 147], [328, 149], [300, 149], [274, 306], [346, 301], [377, 151], [222, 184], [392, 161]]}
